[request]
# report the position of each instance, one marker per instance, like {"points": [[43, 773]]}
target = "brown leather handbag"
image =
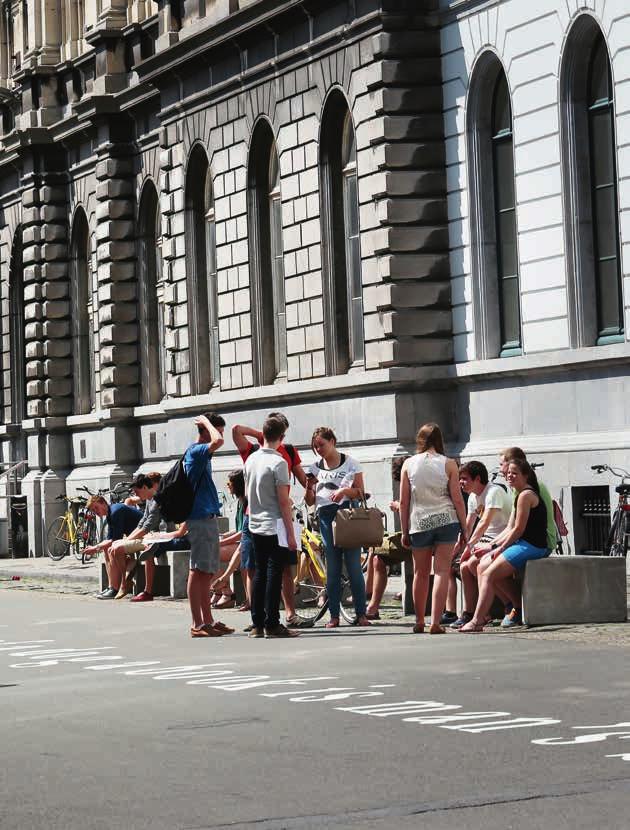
{"points": [[358, 527]]}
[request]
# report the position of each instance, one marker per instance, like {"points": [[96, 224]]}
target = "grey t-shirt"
{"points": [[151, 518], [265, 470]]}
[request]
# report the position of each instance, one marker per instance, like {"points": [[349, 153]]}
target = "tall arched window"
{"points": [[496, 285], [16, 332], [152, 346], [82, 315], [345, 342], [505, 219], [590, 188], [266, 258], [202, 274], [604, 203]]}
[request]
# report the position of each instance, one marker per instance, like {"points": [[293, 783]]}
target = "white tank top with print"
{"points": [[431, 503]]}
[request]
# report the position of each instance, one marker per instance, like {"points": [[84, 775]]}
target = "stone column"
{"points": [[407, 303], [174, 255], [116, 257]]}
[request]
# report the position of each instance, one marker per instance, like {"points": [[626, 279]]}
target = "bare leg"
{"points": [[498, 571], [249, 583], [421, 570], [504, 596], [369, 576], [109, 568], [451, 596], [468, 572], [149, 574], [379, 583], [441, 574], [288, 591], [199, 598]]}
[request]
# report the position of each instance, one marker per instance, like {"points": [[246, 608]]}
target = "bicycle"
{"points": [[66, 533], [617, 541], [310, 578]]}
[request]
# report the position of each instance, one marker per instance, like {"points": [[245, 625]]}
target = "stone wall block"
{"points": [[54, 290], [31, 235], [33, 311], [31, 255], [53, 232], [112, 396], [58, 386], [114, 209], [31, 197], [34, 350], [115, 251], [32, 291], [58, 405], [30, 215], [117, 292], [114, 333], [115, 230], [114, 168], [53, 213], [119, 354], [51, 252], [119, 375], [114, 189], [54, 270], [56, 329], [56, 309], [35, 407], [53, 194], [115, 271], [32, 273], [58, 368], [117, 313], [57, 348], [34, 331], [34, 388], [34, 369]]}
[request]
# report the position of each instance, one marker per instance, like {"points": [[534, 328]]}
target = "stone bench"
{"points": [[575, 589]]}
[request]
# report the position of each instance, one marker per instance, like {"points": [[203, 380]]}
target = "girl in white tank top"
{"points": [[431, 503]]}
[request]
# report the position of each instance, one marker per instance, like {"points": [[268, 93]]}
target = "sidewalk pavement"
{"points": [[69, 576]]}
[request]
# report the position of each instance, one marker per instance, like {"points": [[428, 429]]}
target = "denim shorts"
{"points": [[248, 563], [204, 544], [521, 552], [436, 536]]}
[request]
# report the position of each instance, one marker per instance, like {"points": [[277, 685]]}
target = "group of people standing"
{"points": [[453, 519]]}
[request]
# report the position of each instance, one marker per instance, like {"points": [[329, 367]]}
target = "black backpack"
{"points": [[175, 495]]}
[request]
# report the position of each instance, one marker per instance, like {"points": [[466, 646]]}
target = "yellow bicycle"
{"points": [[67, 533]]}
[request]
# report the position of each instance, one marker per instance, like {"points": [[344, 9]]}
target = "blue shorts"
{"points": [[446, 534], [521, 552], [248, 563]]}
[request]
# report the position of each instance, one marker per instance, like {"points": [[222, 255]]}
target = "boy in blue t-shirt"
{"points": [[121, 520], [203, 531]]}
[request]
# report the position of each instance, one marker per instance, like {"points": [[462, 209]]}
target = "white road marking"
{"points": [[124, 665], [91, 658], [63, 620], [24, 644]]}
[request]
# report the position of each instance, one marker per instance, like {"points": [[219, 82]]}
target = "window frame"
{"points": [[82, 318]]}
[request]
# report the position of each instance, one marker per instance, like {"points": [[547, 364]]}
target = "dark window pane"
{"points": [[599, 82], [501, 111], [508, 261], [605, 222], [602, 147], [610, 318], [504, 174], [358, 346], [510, 312]]}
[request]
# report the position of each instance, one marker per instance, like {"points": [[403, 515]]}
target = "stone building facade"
{"points": [[253, 204]]}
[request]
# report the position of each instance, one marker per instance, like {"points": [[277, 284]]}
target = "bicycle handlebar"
{"points": [[619, 472]]}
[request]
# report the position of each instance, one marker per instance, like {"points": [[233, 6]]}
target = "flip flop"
{"points": [[469, 628], [205, 631], [225, 629]]}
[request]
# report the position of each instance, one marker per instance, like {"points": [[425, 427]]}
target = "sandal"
{"points": [[226, 601], [334, 623], [418, 628], [471, 628], [372, 615], [225, 629], [216, 596], [205, 631], [363, 622], [437, 629], [244, 607]]}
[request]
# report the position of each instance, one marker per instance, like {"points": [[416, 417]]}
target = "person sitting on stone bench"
{"points": [[488, 514], [121, 521], [144, 487], [524, 541]]}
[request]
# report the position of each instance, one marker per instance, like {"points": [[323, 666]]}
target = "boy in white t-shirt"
{"points": [[489, 510]]}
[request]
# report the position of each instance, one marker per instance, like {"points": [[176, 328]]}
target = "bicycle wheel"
{"points": [[346, 609], [58, 541], [310, 591], [86, 536]]}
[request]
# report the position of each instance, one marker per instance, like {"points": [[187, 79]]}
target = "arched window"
{"points": [[152, 346], [496, 289], [266, 258], [16, 332], [82, 315], [202, 274], [590, 178], [345, 342]]}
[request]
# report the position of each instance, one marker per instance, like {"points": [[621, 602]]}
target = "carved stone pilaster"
{"points": [[117, 289]]}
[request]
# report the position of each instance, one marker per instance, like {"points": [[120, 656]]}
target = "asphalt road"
{"points": [[112, 717]]}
